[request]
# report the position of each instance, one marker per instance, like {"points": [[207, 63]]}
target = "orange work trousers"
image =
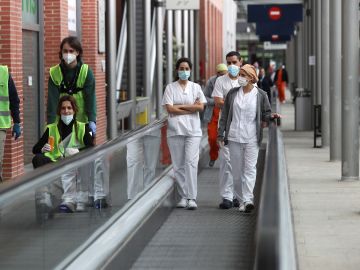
{"points": [[281, 91], [212, 134]]}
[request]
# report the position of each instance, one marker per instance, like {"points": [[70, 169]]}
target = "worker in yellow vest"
{"points": [[73, 77], [9, 108], [68, 136]]}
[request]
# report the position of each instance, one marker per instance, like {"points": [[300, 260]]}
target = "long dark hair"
{"points": [[73, 43], [177, 65]]}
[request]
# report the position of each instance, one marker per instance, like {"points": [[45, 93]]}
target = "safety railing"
{"points": [[37, 235], [275, 244]]}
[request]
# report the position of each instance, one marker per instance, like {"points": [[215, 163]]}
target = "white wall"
{"points": [[229, 26]]}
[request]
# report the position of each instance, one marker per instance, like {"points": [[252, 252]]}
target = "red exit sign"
{"points": [[274, 13]]}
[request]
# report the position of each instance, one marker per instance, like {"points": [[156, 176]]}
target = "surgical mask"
{"points": [[242, 81], [67, 118], [184, 74], [69, 58], [233, 70]]}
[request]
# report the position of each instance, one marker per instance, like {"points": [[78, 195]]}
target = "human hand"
{"points": [[276, 115], [220, 142], [16, 131], [46, 148], [92, 126]]}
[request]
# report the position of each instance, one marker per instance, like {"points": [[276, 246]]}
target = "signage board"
{"points": [[72, 15], [274, 28], [270, 13], [183, 4], [274, 46]]}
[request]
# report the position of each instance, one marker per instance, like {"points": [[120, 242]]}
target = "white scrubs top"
{"points": [[243, 124], [188, 124], [223, 85]]}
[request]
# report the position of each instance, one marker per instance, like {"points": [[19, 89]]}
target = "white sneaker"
{"points": [[80, 207], [182, 203], [46, 200], [242, 207], [191, 205]]}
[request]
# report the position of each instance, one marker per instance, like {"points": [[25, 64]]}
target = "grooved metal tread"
{"points": [[207, 238]]}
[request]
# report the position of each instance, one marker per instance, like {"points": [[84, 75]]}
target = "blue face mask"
{"points": [[184, 74], [233, 70]]}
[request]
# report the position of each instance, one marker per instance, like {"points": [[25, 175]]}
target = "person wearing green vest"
{"points": [[68, 137], [72, 77], [9, 108]]}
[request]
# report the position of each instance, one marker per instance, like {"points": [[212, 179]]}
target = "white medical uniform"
{"points": [[243, 144], [142, 156], [184, 136], [222, 87]]}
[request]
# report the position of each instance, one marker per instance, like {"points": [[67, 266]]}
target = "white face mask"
{"points": [[67, 118], [69, 58], [242, 81]]}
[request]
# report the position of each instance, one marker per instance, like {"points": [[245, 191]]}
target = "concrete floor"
{"points": [[326, 211]]}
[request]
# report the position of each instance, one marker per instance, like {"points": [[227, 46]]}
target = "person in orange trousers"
{"points": [[281, 80], [211, 114]]}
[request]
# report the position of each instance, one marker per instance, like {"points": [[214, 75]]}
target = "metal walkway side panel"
{"points": [[207, 238]]}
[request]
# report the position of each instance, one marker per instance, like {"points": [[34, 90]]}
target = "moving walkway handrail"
{"points": [[46, 174], [275, 244]]}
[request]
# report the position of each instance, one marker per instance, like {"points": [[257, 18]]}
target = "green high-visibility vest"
{"points": [[76, 140], [57, 77], [5, 116]]}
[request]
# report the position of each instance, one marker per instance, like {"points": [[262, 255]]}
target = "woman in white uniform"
{"points": [[183, 100], [246, 111]]}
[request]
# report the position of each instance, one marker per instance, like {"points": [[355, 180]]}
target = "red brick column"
{"points": [[93, 58], [55, 29], [11, 55]]}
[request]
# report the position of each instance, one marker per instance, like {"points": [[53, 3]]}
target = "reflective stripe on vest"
{"points": [[75, 141], [5, 118], [57, 78]]}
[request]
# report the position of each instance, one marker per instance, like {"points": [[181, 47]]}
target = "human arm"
{"points": [[90, 96], [14, 101], [223, 120], [88, 138], [37, 149], [208, 91], [52, 101]]}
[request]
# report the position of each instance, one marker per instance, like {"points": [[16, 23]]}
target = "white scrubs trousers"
{"points": [[72, 194], [184, 152], [142, 156], [243, 161], [225, 175]]}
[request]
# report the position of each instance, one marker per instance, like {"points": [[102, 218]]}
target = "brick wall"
{"points": [[55, 29], [211, 37], [11, 55], [93, 58]]}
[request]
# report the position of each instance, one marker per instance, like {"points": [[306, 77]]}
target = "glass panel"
{"points": [[39, 233], [30, 11]]}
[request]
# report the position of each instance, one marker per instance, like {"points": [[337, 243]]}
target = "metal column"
{"points": [[335, 80], [300, 67], [325, 70], [178, 33], [159, 56], [192, 42], [306, 45], [186, 32], [111, 67], [197, 46], [131, 18], [169, 47], [147, 53], [318, 51], [350, 90]]}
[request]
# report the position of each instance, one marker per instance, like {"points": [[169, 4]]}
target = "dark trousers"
{"points": [[40, 160]]}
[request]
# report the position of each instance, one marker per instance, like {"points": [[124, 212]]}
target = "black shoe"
{"points": [[226, 204], [211, 163], [100, 203], [236, 203], [249, 207]]}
